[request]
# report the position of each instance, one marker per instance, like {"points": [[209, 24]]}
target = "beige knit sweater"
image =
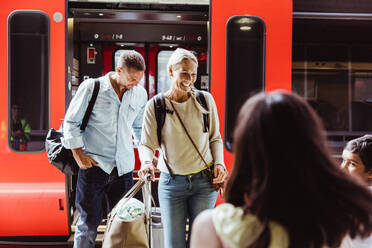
{"points": [[176, 146]]}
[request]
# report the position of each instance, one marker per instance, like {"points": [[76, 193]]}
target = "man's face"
{"points": [[354, 165], [129, 77]]}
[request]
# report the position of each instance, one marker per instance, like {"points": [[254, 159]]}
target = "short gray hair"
{"points": [[179, 55]]}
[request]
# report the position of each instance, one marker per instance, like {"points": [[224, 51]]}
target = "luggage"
{"points": [[154, 223], [133, 224], [156, 229]]}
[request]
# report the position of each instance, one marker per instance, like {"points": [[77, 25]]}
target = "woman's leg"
{"points": [[173, 199], [203, 197]]}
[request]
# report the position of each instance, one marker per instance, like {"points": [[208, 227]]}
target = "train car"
{"points": [[322, 51], [32, 193]]}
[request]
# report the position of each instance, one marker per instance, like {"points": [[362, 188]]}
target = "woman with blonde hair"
{"points": [[285, 190], [188, 149]]}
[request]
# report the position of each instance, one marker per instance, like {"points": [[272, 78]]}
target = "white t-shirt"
{"points": [[357, 242], [237, 229], [363, 243]]}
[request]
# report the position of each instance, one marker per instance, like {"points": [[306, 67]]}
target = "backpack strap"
{"points": [[90, 105], [159, 104], [201, 100], [160, 112]]}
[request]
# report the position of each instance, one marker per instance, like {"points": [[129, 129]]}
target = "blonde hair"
{"points": [[176, 58], [179, 55]]}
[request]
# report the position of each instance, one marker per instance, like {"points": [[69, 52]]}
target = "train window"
{"points": [[28, 80], [332, 70], [116, 59], [163, 81], [361, 87], [325, 72], [245, 66]]}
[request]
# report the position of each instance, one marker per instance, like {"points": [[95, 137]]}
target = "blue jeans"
{"points": [[183, 197], [93, 186]]}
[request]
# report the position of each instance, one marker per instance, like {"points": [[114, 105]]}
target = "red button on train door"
{"points": [[91, 55]]}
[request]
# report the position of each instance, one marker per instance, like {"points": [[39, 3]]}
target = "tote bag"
{"points": [[126, 225]]}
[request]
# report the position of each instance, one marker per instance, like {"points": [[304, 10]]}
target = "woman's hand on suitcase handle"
{"points": [[147, 167], [155, 162]]}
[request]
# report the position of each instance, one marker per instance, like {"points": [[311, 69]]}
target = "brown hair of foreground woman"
{"points": [[284, 174], [284, 169]]}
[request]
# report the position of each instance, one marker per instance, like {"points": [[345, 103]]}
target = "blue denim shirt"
{"points": [[108, 136]]}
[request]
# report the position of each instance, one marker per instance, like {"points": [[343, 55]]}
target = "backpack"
{"points": [[161, 111]]}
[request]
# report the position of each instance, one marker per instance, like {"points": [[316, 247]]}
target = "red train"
{"points": [[321, 51]]}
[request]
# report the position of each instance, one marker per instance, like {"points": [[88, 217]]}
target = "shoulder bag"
{"points": [[60, 156], [209, 169]]}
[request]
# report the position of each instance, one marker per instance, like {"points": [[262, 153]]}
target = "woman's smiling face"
{"points": [[183, 75]]}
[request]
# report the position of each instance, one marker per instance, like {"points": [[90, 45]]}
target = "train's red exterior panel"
{"points": [[278, 19], [32, 192]]}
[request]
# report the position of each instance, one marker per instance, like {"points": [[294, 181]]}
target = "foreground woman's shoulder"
{"points": [[203, 232], [239, 229]]}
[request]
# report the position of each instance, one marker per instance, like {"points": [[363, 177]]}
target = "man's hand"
{"points": [[84, 161]]}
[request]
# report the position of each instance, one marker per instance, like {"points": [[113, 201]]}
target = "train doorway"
{"points": [[98, 34]]}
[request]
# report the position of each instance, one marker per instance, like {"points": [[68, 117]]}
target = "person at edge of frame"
{"points": [[357, 161], [285, 189], [21, 130]]}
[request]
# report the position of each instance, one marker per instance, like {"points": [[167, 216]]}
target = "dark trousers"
{"points": [[94, 186]]}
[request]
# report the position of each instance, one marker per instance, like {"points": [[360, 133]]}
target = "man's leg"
{"points": [[117, 188], [89, 192]]}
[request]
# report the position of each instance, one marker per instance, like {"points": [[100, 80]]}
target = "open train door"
{"points": [[250, 51], [32, 73]]}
